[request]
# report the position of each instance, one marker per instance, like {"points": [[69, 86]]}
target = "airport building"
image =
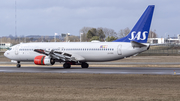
{"points": [[156, 40], [172, 40], [5, 45]]}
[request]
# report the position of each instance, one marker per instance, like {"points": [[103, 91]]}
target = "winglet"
{"points": [[140, 31]]}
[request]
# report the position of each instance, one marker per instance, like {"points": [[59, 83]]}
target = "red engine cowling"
{"points": [[43, 60]]}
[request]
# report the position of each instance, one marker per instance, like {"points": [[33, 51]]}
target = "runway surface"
{"points": [[96, 70], [114, 63]]}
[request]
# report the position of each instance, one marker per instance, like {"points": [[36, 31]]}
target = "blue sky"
{"points": [[46, 17]]}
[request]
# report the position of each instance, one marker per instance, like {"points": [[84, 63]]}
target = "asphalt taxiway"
{"points": [[95, 70]]}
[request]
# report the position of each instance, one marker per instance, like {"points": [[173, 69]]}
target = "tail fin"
{"points": [[140, 31]]}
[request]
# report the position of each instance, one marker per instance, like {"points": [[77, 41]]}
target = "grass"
{"points": [[87, 87]]}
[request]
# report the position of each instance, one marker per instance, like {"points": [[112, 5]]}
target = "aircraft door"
{"points": [[62, 49], [17, 50], [119, 52]]}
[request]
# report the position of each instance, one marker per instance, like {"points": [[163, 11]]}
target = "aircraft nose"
{"points": [[6, 53]]}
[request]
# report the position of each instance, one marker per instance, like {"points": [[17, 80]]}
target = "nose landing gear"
{"points": [[18, 65]]}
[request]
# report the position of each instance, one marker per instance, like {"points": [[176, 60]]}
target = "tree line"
{"points": [[106, 34], [88, 34]]}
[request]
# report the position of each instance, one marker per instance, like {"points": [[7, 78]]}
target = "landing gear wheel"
{"points": [[84, 65], [52, 61], [66, 65], [18, 65]]}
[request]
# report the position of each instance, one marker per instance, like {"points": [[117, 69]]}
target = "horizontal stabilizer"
{"points": [[136, 44]]}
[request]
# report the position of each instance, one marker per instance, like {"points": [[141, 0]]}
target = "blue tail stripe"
{"points": [[140, 31]]}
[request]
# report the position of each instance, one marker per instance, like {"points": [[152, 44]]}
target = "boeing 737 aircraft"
{"points": [[79, 53]]}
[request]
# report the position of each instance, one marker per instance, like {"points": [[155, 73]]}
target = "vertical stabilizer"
{"points": [[140, 31]]}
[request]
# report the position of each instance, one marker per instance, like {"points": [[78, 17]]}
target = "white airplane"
{"points": [[79, 53]]}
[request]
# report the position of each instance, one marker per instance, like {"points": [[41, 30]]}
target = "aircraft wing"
{"points": [[62, 56], [41, 51]]}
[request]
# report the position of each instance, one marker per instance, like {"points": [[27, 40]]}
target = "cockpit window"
{"points": [[10, 49]]}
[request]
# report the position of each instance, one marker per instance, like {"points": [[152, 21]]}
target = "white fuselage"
{"points": [[90, 51]]}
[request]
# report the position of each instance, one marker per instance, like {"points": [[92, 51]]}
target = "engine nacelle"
{"points": [[43, 60]]}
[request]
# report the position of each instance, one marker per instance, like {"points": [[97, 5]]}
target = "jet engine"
{"points": [[43, 60]]}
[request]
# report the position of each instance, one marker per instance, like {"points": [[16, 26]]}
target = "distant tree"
{"points": [[109, 32], [101, 34], [152, 34], [45, 39], [93, 31], [89, 35], [9, 40], [10, 36], [94, 38], [124, 32], [28, 39], [73, 38], [112, 38], [31, 39], [84, 32]]}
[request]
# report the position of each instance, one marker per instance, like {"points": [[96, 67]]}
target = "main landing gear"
{"points": [[84, 65], [68, 65], [18, 65]]}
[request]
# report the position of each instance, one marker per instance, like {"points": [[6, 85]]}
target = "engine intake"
{"points": [[43, 60]]}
